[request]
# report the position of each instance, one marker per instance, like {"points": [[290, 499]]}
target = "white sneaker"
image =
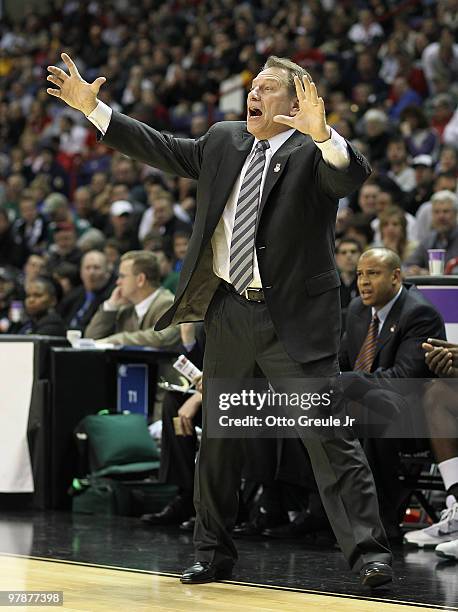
{"points": [[449, 550], [443, 531]]}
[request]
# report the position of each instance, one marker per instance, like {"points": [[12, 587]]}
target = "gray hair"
{"points": [[374, 114], [291, 68], [445, 195], [92, 240]]}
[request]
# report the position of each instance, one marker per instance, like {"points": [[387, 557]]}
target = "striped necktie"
{"points": [[242, 243], [366, 354]]}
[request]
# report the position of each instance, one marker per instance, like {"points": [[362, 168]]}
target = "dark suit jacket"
{"points": [[50, 324], [72, 302], [295, 231], [411, 320], [399, 355]]}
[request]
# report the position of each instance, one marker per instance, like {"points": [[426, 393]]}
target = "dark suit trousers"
{"points": [[240, 338], [178, 453]]}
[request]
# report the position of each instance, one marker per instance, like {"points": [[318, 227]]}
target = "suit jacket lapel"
{"points": [[359, 333], [391, 322], [231, 165], [131, 321], [277, 167], [228, 170]]}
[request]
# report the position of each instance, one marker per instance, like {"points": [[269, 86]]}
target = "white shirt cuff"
{"points": [[190, 346], [334, 150], [101, 117], [107, 307]]}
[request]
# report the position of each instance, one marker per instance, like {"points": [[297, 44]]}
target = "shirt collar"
{"points": [[142, 307], [385, 310], [277, 141]]}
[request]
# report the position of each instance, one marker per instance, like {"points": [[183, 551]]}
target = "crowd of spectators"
{"points": [[388, 73]]}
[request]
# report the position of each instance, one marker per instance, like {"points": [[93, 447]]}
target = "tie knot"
{"points": [[375, 319], [263, 145]]}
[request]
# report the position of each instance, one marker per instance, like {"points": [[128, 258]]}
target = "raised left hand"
{"points": [[311, 116]]}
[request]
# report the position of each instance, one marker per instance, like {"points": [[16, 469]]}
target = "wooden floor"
{"points": [[92, 588]]}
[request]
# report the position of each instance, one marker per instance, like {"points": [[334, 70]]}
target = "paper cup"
{"points": [[436, 260], [73, 335]]}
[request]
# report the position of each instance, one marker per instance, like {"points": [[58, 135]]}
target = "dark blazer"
{"points": [[411, 320], [72, 302], [295, 231], [50, 324]]}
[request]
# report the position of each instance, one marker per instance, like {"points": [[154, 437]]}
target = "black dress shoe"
{"points": [[188, 525], [179, 510], [304, 524], [248, 529], [258, 524], [375, 574], [204, 571]]}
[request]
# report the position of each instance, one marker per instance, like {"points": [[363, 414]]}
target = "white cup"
{"points": [[436, 260], [73, 336]]}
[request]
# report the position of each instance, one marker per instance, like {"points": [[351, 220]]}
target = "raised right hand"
{"points": [[72, 88]]}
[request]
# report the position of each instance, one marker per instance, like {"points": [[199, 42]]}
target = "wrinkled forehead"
{"points": [[443, 205], [93, 260], [371, 262], [277, 75]]}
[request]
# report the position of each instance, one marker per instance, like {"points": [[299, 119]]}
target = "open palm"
{"points": [[311, 116], [72, 88]]}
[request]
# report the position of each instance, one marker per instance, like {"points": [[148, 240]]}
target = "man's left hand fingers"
{"points": [[313, 94], [299, 89], [432, 357], [439, 361], [54, 80], [58, 72]]}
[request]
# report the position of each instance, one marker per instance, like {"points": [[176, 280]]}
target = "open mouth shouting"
{"points": [[254, 112]]}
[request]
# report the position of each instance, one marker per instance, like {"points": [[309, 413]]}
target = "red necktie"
{"points": [[366, 354]]}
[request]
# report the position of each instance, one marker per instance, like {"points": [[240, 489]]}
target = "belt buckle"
{"points": [[252, 289]]}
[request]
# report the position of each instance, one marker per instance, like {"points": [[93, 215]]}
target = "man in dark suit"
{"points": [[80, 305], [385, 329], [260, 270]]}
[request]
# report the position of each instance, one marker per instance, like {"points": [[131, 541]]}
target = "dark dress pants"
{"points": [[178, 453], [240, 338]]}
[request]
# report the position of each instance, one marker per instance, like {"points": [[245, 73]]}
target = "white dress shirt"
{"points": [[383, 313], [334, 151]]}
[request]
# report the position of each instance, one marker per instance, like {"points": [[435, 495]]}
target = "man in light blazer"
{"points": [[266, 285], [135, 305]]}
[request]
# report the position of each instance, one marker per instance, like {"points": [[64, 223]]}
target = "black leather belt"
{"points": [[252, 294]]}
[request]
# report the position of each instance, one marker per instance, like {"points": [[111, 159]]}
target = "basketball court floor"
{"points": [[118, 564]]}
